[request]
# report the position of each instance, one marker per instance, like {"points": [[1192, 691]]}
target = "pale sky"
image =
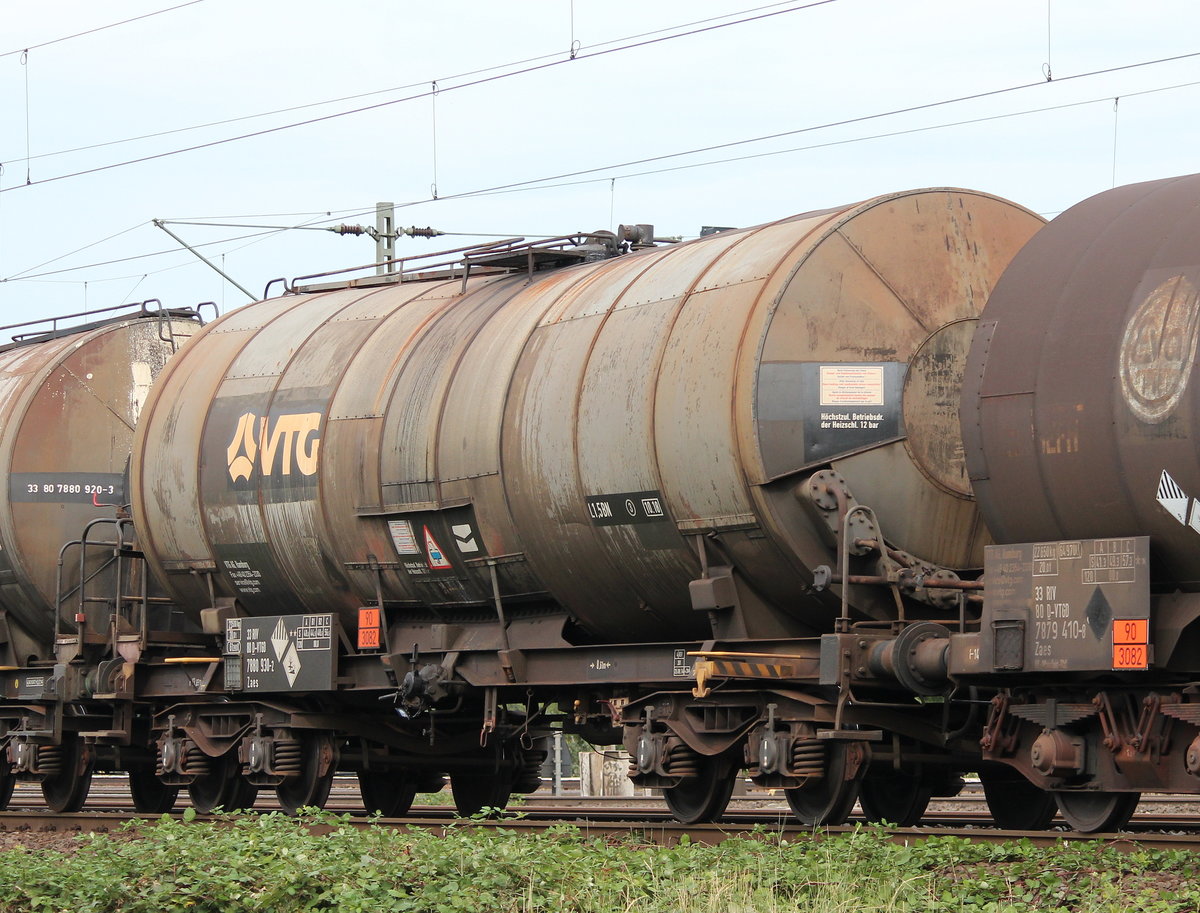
{"points": [[789, 70]]}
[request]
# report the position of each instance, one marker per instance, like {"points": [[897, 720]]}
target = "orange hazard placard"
{"points": [[368, 629], [1131, 643], [1131, 630], [1130, 656]]}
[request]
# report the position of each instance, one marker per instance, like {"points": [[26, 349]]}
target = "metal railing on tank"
{"points": [[44, 329], [506, 255]]}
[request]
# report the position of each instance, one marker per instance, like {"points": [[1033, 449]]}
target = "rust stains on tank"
{"points": [[585, 427], [68, 406]]}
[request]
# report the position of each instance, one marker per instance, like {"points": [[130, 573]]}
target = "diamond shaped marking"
{"points": [[280, 638]]}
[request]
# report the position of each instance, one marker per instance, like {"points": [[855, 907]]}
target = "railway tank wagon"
{"points": [[71, 391], [516, 496], [710, 499], [1080, 411]]}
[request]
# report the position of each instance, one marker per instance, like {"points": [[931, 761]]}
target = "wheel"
{"points": [[390, 793], [245, 794], [826, 800], [1089, 812], [66, 789], [222, 787], [151, 796], [894, 796], [1015, 803], [474, 791], [701, 799], [318, 764]]}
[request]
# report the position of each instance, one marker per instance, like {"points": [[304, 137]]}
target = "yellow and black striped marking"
{"points": [[728, 666]]}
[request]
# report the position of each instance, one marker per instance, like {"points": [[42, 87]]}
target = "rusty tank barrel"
{"points": [[569, 439], [69, 401], [1081, 414]]}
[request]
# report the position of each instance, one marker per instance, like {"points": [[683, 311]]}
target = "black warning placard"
{"points": [[626, 507], [280, 653], [1074, 600]]}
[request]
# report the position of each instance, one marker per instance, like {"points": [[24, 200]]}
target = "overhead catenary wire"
{"points": [[404, 231], [433, 94], [544, 183], [534, 185], [277, 215], [158, 253], [129, 294], [1116, 121], [414, 85], [574, 44], [832, 143], [99, 28], [425, 94], [558, 180], [991, 93], [77, 250], [182, 264], [349, 213], [307, 225], [28, 141], [206, 224], [1046, 69]]}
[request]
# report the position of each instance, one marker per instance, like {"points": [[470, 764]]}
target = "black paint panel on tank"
{"points": [[641, 510], [810, 413], [433, 548], [255, 577], [270, 453]]}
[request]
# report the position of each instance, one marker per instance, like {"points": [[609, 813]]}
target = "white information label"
{"points": [[851, 385], [402, 536], [464, 538]]}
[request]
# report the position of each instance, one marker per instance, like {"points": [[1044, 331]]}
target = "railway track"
{"points": [[1161, 822], [664, 832]]}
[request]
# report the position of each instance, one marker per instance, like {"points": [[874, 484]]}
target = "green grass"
{"points": [[272, 863]]}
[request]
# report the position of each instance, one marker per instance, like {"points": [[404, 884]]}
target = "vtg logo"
{"points": [[275, 446], [1158, 349]]}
